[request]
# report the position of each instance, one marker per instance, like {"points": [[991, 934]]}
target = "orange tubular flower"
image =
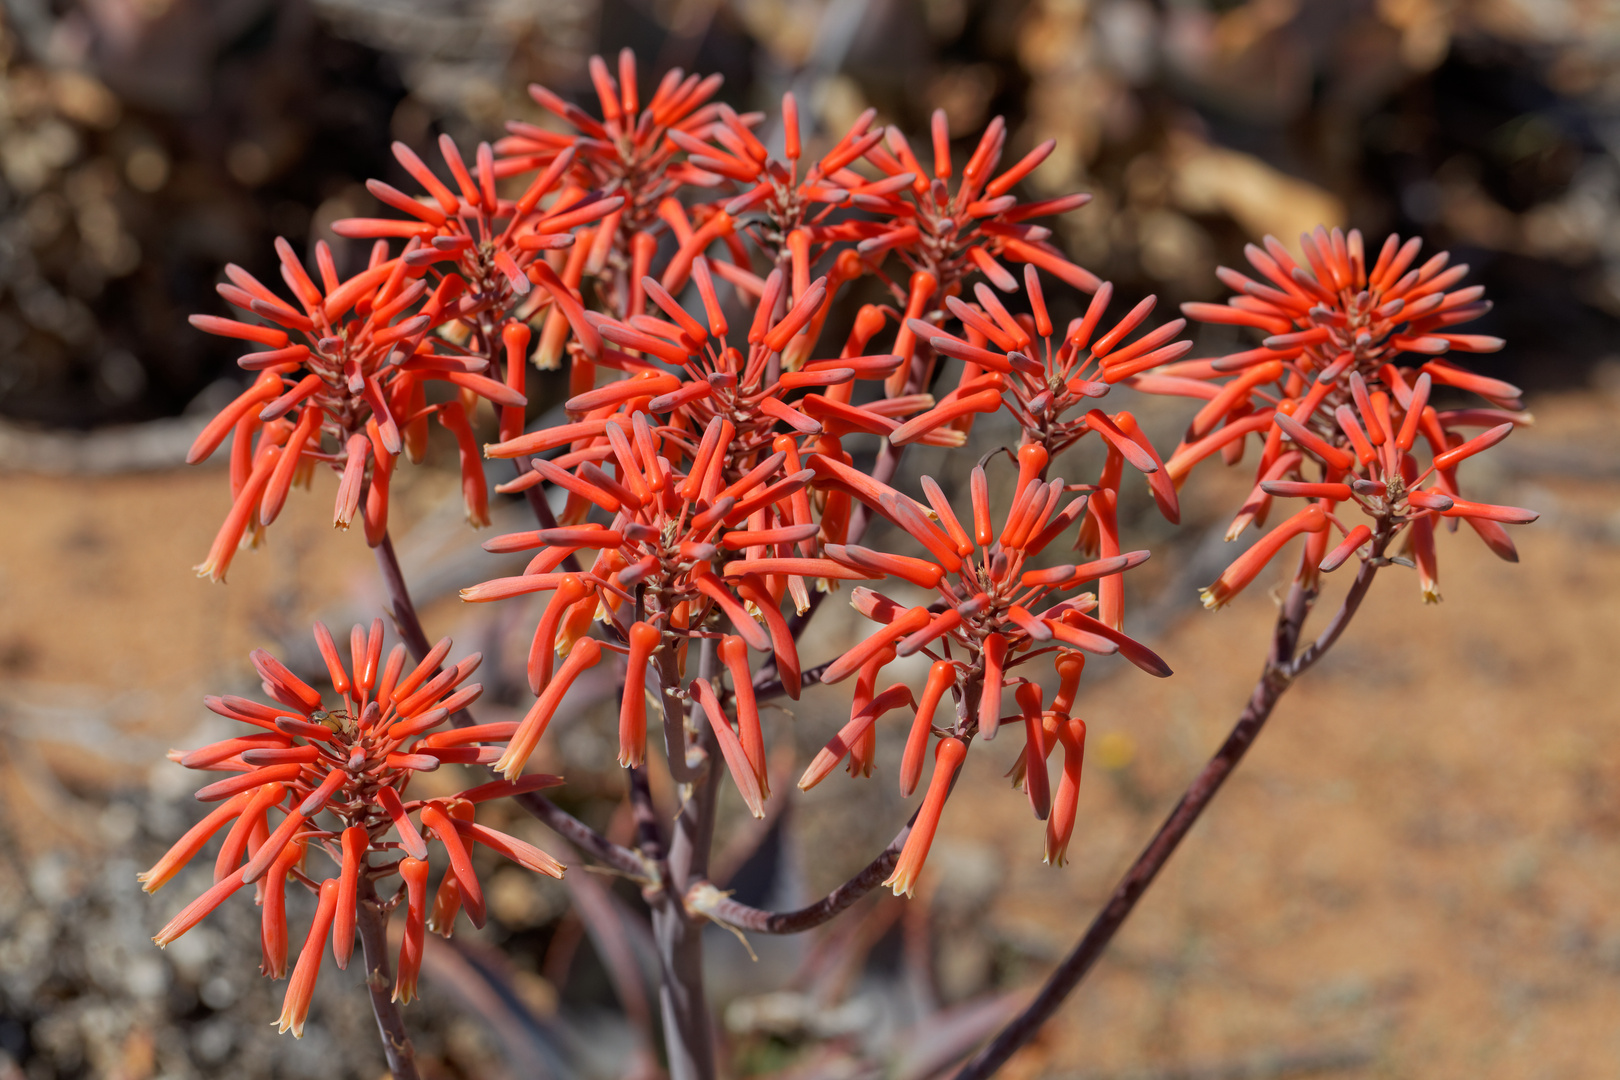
{"points": [[948, 757], [628, 156], [951, 235], [993, 616], [345, 369], [295, 1006], [1333, 393], [352, 763], [414, 872], [1071, 734]]}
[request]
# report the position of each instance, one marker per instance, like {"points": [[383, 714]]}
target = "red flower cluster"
{"points": [[701, 449], [950, 235], [372, 343], [1338, 407], [452, 306], [350, 764], [707, 479], [632, 154], [998, 615]]}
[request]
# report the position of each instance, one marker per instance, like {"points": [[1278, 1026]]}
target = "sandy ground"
{"points": [[1415, 874]]}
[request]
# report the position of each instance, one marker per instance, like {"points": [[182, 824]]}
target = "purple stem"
{"points": [[1283, 665]]}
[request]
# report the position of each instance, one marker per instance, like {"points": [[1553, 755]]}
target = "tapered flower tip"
{"points": [[301, 987], [948, 756]]}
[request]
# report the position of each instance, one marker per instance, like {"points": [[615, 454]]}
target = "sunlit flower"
{"points": [[626, 156], [951, 234], [660, 576], [338, 779], [1013, 360], [994, 615], [1338, 407], [363, 350]]}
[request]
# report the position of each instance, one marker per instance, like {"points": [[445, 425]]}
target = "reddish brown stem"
{"points": [[406, 620], [373, 924], [1283, 665], [743, 917]]}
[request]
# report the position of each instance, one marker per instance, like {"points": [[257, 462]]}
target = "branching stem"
{"points": [[373, 924], [1283, 665]]}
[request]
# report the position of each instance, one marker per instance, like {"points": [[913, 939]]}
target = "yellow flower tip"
{"points": [[903, 883], [1210, 600], [1431, 595]]}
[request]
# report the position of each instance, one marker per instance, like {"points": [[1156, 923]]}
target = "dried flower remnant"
{"points": [[994, 615], [1340, 394], [338, 778]]}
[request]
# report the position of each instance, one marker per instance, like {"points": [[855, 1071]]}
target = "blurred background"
{"points": [[1415, 874]]}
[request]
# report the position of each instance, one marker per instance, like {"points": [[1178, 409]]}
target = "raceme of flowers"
{"points": [[996, 613], [1340, 394], [714, 466], [338, 777]]}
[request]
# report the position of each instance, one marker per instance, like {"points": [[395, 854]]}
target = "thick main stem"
{"points": [[1283, 665], [688, 1035], [373, 925]]}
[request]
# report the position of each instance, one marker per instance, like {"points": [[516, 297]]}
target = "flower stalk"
{"points": [[1284, 663]]}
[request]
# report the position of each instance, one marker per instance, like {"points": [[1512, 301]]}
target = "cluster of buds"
{"points": [[444, 310], [996, 612], [338, 778], [632, 154], [1339, 393], [455, 305], [951, 235], [359, 402]]}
